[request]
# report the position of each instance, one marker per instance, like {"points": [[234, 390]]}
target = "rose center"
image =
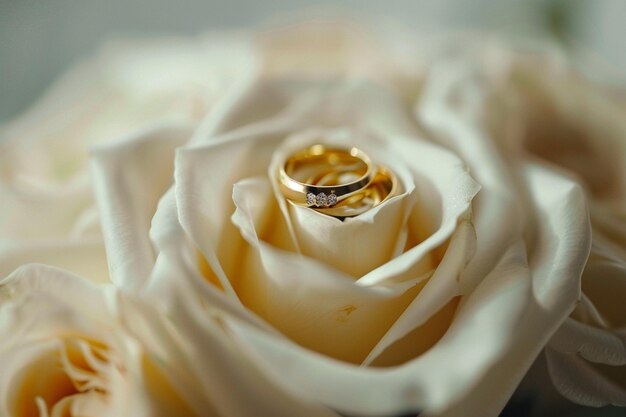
{"points": [[57, 379]]}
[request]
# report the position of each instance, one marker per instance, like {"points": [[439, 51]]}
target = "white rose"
{"points": [[438, 300], [71, 348]]}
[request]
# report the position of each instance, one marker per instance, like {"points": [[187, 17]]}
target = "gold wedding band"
{"points": [[299, 175], [336, 182], [382, 188]]}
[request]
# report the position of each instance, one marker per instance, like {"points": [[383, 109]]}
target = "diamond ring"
{"points": [[321, 176], [384, 186]]}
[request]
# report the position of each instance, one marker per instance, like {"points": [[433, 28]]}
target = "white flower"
{"points": [[436, 301]]}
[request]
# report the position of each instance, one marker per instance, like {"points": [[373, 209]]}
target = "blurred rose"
{"points": [[70, 348], [47, 212], [67, 350]]}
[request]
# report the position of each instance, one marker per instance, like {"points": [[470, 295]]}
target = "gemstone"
{"points": [[321, 200], [310, 199], [332, 200]]}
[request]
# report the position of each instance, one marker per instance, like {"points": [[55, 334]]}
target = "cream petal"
{"points": [[444, 193], [205, 175], [178, 283], [580, 382], [84, 404], [577, 128], [51, 280], [562, 217], [233, 383], [591, 343], [60, 290], [38, 304], [452, 108], [84, 257], [317, 234], [87, 225], [176, 278], [587, 312], [201, 170], [130, 177], [310, 104], [354, 246], [438, 291]]}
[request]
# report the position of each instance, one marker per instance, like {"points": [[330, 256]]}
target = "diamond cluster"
{"points": [[321, 200]]}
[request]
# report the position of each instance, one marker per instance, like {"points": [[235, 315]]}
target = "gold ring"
{"points": [[384, 186], [345, 172]]}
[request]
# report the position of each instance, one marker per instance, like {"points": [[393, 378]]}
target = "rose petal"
{"points": [[591, 343], [438, 291], [56, 289], [205, 175], [581, 382], [129, 179], [453, 108], [176, 279], [444, 192]]}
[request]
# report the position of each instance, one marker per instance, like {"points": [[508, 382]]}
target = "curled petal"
{"points": [[129, 179], [584, 382]]}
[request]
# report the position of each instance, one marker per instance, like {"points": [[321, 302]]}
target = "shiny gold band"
{"points": [[336, 182], [300, 175], [384, 186]]}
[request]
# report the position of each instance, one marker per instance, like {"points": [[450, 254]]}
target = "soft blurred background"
{"points": [[39, 39]]}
